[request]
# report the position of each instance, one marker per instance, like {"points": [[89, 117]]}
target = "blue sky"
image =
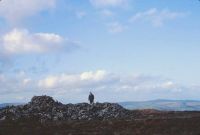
{"points": [[121, 50]]}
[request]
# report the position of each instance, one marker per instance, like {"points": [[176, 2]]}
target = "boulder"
{"points": [[45, 108]]}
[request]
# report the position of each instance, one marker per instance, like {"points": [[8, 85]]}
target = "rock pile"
{"points": [[46, 108]]}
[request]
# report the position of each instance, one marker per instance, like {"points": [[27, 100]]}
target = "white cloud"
{"points": [[109, 3], [76, 81], [99, 75], [21, 41], [107, 13], [80, 14], [111, 86], [14, 84], [168, 85], [115, 27], [106, 87], [15, 10], [156, 17]]}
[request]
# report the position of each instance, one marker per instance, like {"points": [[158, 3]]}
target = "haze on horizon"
{"points": [[121, 50]]}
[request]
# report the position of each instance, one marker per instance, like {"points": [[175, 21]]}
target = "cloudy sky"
{"points": [[121, 50]]}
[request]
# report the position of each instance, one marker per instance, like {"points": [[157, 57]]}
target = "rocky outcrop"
{"points": [[46, 108]]}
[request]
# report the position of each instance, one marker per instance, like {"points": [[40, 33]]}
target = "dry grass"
{"points": [[173, 126]]}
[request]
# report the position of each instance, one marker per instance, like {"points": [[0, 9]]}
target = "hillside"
{"points": [[45, 116], [165, 105]]}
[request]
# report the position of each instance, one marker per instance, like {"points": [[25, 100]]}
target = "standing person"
{"points": [[91, 98]]}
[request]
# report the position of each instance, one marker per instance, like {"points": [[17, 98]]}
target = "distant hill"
{"points": [[160, 104], [166, 105], [9, 104]]}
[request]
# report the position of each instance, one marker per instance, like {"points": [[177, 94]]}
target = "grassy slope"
{"points": [[114, 127]]}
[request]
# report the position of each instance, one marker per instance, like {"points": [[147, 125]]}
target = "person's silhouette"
{"points": [[91, 98]]}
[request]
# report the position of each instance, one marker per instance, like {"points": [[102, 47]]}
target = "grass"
{"points": [[173, 126]]}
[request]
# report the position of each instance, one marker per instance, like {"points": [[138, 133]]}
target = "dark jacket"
{"points": [[91, 98]]}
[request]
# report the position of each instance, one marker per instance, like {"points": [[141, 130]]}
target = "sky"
{"points": [[121, 50]]}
